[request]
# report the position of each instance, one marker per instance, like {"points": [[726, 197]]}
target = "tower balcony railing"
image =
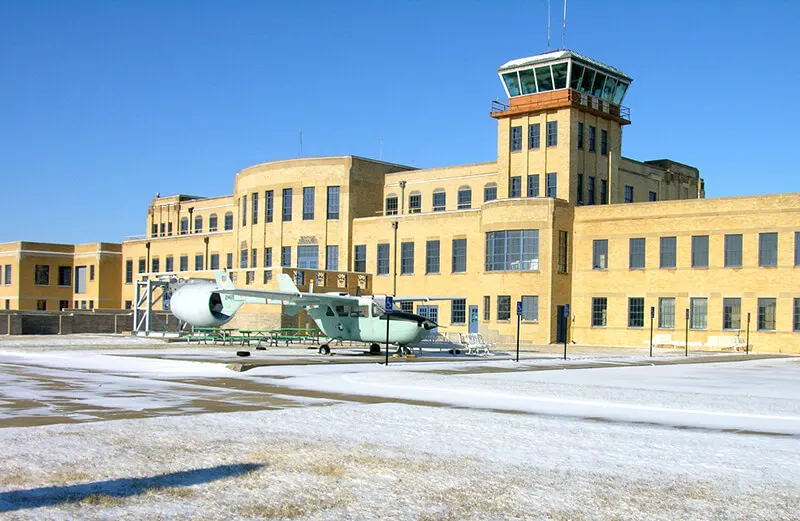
{"points": [[565, 97]]}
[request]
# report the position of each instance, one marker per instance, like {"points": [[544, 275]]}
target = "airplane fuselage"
{"points": [[363, 323]]}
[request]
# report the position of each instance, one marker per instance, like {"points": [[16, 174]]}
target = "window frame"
{"points": [[458, 311], [515, 138], [333, 203], [699, 242], [433, 251], [599, 311], [636, 309], [552, 133], [286, 205], [728, 316], [309, 202], [503, 308], [730, 251], [528, 254], [534, 136], [663, 313], [631, 253], [459, 256], [382, 254], [695, 316], [360, 258], [763, 320], [407, 258], [599, 247], [439, 205], [464, 198], [672, 250], [530, 308], [767, 259]]}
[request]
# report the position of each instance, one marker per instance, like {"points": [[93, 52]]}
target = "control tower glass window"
{"points": [[608, 89], [586, 81], [559, 75], [619, 93], [597, 86], [544, 79], [512, 83], [528, 81], [577, 73]]}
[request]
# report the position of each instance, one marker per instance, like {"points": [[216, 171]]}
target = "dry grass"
{"points": [[293, 509], [99, 500], [176, 492]]}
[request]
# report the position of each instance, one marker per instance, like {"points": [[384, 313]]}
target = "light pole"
{"points": [[394, 270]]}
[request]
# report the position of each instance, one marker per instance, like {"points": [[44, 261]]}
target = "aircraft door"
{"points": [[431, 313], [473, 319]]}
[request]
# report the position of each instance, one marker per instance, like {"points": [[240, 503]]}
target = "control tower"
{"points": [[561, 127]]}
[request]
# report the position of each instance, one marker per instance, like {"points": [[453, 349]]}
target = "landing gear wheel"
{"points": [[324, 349], [404, 350], [374, 349], [242, 353]]}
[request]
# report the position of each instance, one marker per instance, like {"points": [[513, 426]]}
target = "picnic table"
{"points": [[256, 335], [214, 334], [293, 334]]}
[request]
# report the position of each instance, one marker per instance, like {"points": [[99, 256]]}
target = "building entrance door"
{"points": [[561, 332], [473, 319]]}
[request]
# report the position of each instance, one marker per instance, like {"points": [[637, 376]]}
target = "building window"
{"points": [[254, 258], [439, 200], [243, 255], [604, 142], [579, 189], [628, 194], [308, 203], [516, 139], [432, 257], [407, 307], [580, 135], [731, 313], [214, 261], [250, 277], [512, 250], [198, 224], [163, 229], [600, 254], [244, 210], [563, 252], [515, 187], [287, 204], [7, 273], [459, 255], [212, 222], [414, 202], [391, 205], [407, 258], [64, 276], [652, 196], [198, 262], [550, 189], [533, 136], [592, 138], [169, 264], [599, 311], [636, 255], [636, 312], [62, 304], [155, 265], [796, 320], [603, 191], [360, 258], [184, 263], [254, 211], [590, 190], [128, 304], [533, 185], [766, 314], [489, 192], [128, 272], [169, 229], [767, 249], [733, 251], [269, 205], [464, 198], [41, 305], [530, 309], [698, 313], [797, 248], [487, 308], [267, 276], [229, 220], [268, 257], [333, 203], [228, 261], [332, 258], [154, 230], [184, 225], [458, 311], [552, 133], [286, 256], [142, 265], [700, 251], [383, 259], [503, 307], [308, 257], [666, 313], [669, 252]]}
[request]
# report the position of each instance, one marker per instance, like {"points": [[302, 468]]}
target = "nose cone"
{"points": [[429, 324]]}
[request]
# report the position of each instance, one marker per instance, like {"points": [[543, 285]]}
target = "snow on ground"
{"points": [[83, 341]]}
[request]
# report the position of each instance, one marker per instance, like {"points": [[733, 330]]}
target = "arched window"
{"points": [[198, 224], [391, 204], [489, 192], [212, 222], [184, 225], [229, 221], [464, 198], [439, 200], [414, 202]]}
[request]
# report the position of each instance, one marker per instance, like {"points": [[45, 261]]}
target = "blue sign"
{"points": [[389, 304], [519, 308], [566, 310]]}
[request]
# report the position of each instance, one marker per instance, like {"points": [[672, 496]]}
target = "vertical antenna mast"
{"points": [[564, 28], [548, 25]]}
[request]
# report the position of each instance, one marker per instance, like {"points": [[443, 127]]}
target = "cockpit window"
{"points": [[343, 310]]}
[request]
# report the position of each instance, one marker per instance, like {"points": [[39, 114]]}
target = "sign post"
{"points": [[747, 344], [652, 317], [687, 331], [519, 319], [566, 328], [389, 310]]}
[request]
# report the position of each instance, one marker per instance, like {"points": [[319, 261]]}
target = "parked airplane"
{"points": [[338, 315]]}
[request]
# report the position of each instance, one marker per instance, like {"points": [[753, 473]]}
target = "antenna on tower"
{"points": [[548, 25], [301, 142], [564, 28]]}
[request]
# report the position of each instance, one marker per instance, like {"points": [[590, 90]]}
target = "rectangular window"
{"points": [[91, 272], [308, 257], [464, 198], [515, 188], [590, 190], [128, 272], [796, 321], [415, 203], [552, 133], [669, 252], [229, 221], [154, 230], [333, 203], [287, 204], [599, 311], [487, 308], [600, 254], [766, 314], [603, 191], [383, 259], [267, 257], [700, 251], [308, 203], [516, 139], [579, 189], [731, 313], [62, 304], [628, 194], [432, 257], [407, 307], [733, 251], [184, 263], [198, 262], [503, 307], [269, 203], [563, 252], [797, 248], [512, 250], [533, 136], [360, 258], [214, 259], [666, 313], [65, 274], [652, 196], [439, 201], [286, 256], [42, 275], [391, 205], [533, 185], [243, 255], [267, 276], [604, 142], [592, 138], [489, 192], [407, 258], [8, 303], [459, 255], [170, 264], [255, 208], [636, 254], [550, 189], [41, 305], [254, 258], [169, 229], [767, 249], [698, 313], [228, 261], [530, 308], [458, 311], [244, 210], [80, 279], [332, 258], [155, 265], [636, 312], [580, 135], [142, 265]]}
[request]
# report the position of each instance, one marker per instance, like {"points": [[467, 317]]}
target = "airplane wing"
{"points": [[295, 297]]}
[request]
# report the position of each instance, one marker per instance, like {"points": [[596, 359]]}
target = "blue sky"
{"points": [[105, 103]]}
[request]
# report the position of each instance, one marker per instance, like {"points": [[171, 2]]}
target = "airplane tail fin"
{"points": [[223, 280], [285, 283]]}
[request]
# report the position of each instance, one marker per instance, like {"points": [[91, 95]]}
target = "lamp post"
{"points": [[394, 270]]}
